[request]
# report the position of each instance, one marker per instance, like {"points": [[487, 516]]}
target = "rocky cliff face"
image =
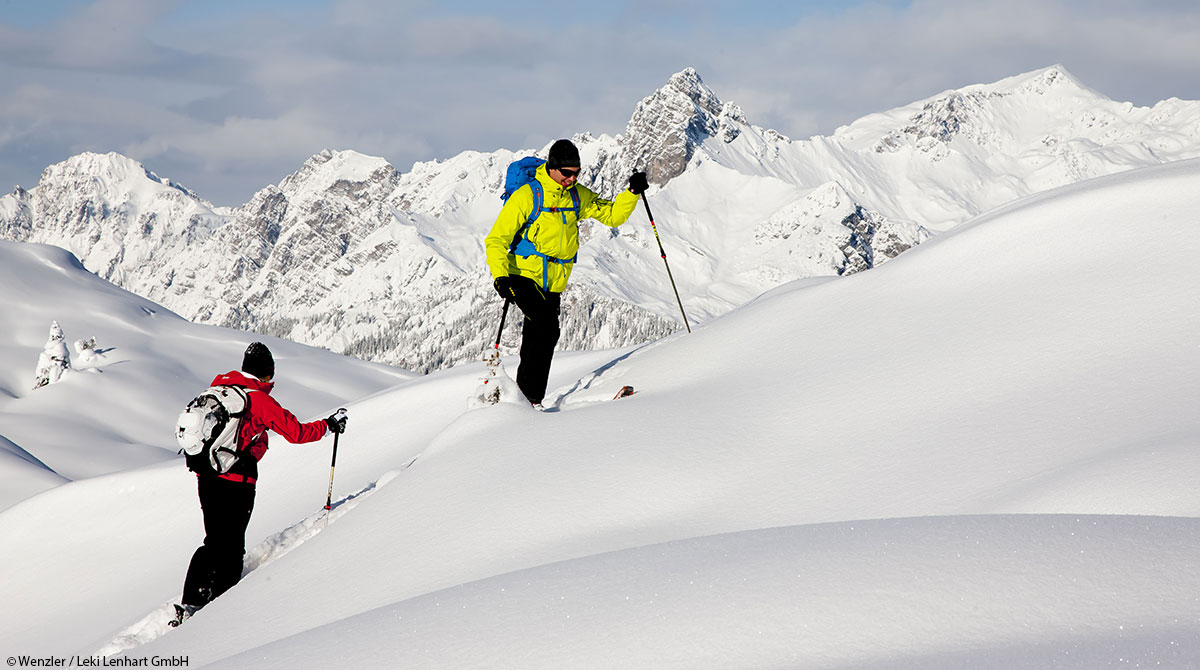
{"points": [[668, 126], [667, 129]]}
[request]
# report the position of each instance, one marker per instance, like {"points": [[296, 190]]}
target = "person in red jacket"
{"points": [[227, 500]]}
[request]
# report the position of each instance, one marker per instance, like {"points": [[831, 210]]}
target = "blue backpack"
{"points": [[520, 172], [523, 172]]}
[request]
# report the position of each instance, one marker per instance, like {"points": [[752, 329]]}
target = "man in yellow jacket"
{"points": [[530, 264]]}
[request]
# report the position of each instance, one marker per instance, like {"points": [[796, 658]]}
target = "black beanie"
{"points": [[258, 361], [563, 154]]}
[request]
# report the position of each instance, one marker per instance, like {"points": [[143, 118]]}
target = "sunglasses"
{"points": [[568, 173]]}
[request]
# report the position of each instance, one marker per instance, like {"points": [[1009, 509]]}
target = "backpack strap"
{"points": [[245, 393], [539, 196], [523, 246], [245, 413]]}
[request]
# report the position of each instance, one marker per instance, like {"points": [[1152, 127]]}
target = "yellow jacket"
{"points": [[554, 234]]}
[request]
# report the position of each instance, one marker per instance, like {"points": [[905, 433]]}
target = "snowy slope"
{"points": [[982, 454], [115, 412], [1004, 592], [352, 254]]}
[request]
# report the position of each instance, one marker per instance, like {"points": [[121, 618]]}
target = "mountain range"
{"points": [[351, 254]]}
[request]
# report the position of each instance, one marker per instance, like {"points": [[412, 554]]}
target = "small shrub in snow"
{"points": [[86, 349]]}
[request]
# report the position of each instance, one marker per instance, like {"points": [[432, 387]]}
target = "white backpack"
{"points": [[207, 429]]}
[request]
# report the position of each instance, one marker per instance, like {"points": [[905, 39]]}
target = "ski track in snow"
{"points": [[599, 385], [154, 624]]}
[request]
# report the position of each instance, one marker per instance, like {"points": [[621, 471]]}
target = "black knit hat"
{"points": [[258, 361], [563, 154]]}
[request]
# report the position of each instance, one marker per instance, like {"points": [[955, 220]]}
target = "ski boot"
{"points": [[182, 613]]}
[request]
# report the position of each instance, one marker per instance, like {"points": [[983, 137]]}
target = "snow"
{"points": [[981, 454]]}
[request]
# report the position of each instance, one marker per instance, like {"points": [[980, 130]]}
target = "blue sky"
{"points": [[227, 97]]}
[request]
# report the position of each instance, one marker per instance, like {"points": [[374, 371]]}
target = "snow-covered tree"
{"points": [[54, 359]]}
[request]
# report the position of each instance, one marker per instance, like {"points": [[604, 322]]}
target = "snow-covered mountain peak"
{"points": [[110, 211], [1018, 115], [688, 83], [111, 176], [325, 170], [1055, 79], [668, 126], [111, 165]]}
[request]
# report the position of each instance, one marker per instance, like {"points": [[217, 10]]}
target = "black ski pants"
{"points": [[539, 335], [217, 564]]}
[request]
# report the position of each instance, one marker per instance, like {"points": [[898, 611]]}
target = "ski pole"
{"points": [[503, 316], [664, 257], [332, 465]]}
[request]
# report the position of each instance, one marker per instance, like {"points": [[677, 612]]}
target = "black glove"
{"points": [[337, 423], [504, 287], [638, 183]]}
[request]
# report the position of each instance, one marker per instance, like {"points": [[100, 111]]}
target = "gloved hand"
{"points": [[638, 183], [337, 422], [504, 288]]}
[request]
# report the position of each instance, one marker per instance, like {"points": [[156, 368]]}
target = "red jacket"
{"points": [[265, 414]]}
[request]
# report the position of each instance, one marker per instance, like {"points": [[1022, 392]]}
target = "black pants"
{"points": [[217, 564], [539, 334]]}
